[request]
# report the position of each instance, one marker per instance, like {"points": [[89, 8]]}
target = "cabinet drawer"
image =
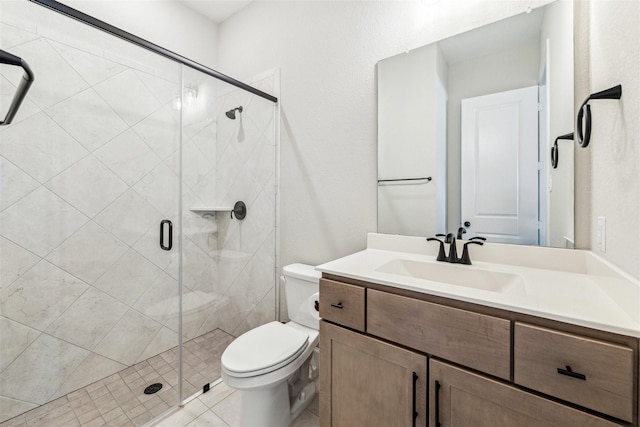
{"points": [[343, 304], [475, 340], [460, 398], [594, 374]]}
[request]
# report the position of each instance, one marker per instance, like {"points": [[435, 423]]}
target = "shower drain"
{"points": [[153, 388]]}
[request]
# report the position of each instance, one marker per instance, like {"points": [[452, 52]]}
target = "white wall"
{"points": [[167, 23], [614, 37], [327, 53]]}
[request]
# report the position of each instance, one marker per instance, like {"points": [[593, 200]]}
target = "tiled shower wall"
{"points": [[86, 176], [88, 169], [242, 167]]}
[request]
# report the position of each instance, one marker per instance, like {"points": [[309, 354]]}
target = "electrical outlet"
{"points": [[601, 234]]}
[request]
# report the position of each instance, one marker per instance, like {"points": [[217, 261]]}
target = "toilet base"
{"points": [[271, 407]]}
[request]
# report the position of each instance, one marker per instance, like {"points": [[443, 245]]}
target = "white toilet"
{"points": [[273, 365]]}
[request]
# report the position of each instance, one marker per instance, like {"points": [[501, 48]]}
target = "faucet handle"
{"points": [[478, 238], [465, 259], [441, 256]]}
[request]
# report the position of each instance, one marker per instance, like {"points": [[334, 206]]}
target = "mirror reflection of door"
{"points": [[419, 128], [499, 166]]}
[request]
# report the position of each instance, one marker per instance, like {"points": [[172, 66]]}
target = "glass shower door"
{"points": [[229, 274], [89, 300]]}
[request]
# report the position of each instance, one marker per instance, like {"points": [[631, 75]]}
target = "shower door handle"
{"points": [[23, 87], [163, 223]]}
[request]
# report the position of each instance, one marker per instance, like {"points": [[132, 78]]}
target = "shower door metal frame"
{"points": [[101, 25]]}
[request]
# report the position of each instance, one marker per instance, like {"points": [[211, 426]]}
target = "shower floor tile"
{"points": [[119, 400]]}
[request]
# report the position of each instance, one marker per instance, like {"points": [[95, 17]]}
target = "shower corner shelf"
{"points": [[210, 210]]}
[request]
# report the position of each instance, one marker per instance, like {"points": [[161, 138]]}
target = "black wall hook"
{"points": [[554, 149], [584, 136]]}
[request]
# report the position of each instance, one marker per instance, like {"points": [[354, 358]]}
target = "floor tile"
{"points": [[184, 416], [216, 395], [306, 419], [229, 409], [208, 419], [118, 400]]}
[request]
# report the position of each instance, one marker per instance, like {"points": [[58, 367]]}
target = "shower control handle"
{"points": [[170, 229], [239, 210]]}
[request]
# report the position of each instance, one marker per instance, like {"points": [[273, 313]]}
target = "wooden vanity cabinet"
{"points": [[369, 382], [383, 348]]}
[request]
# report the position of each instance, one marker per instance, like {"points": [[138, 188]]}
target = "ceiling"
{"points": [[216, 10]]}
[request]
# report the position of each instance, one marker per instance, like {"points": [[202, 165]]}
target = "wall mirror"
{"points": [[465, 131]]}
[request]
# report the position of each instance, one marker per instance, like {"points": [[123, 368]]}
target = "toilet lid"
{"points": [[268, 346]]}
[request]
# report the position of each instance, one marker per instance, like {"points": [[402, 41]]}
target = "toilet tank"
{"points": [[301, 286]]}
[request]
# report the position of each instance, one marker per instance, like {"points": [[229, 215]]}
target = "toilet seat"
{"points": [[264, 349]]}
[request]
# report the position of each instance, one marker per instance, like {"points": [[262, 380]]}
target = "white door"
{"points": [[499, 163]]}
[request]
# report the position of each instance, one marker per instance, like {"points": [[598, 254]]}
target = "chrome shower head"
{"points": [[232, 113]]}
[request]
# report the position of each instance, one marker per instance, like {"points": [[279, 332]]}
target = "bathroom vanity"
{"points": [[541, 339]]}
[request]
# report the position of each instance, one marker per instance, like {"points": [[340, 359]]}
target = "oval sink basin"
{"points": [[452, 274]]}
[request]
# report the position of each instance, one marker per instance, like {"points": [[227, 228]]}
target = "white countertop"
{"points": [[571, 286]]}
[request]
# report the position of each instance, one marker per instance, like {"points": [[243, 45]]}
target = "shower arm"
{"points": [[23, 87]]}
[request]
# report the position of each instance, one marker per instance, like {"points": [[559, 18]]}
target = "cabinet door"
{"points": [[460, 398], [367, 382]]}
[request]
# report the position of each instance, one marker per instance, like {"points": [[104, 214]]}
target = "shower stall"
{"points": [[126, 266]]}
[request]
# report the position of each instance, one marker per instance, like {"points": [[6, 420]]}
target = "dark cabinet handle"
{"points": [[415, 412], [437, 404], [337, 305], [162, 227], [569, 372]]}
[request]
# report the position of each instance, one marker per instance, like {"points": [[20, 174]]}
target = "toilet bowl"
{"points": [[273, 366]]}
